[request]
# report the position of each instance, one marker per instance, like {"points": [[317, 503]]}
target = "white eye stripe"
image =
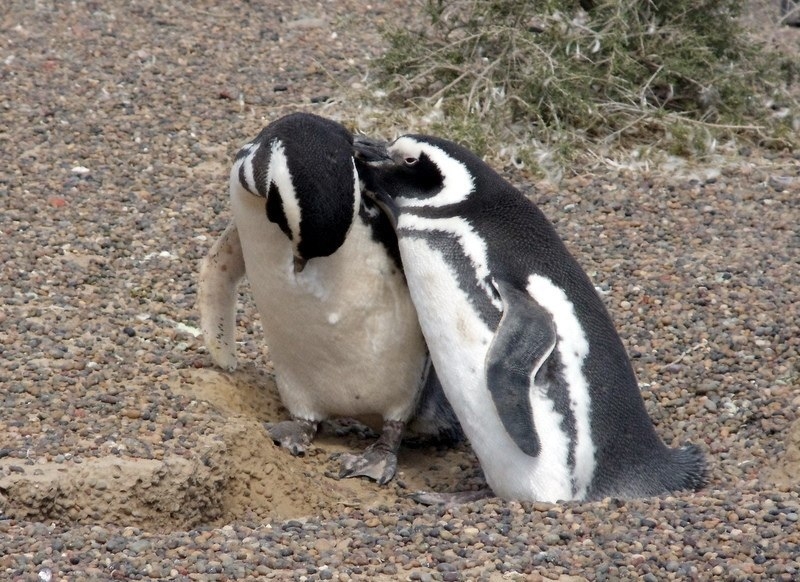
{"points": [[246, 163], [457, 181], [278, 174], [356, 188]]}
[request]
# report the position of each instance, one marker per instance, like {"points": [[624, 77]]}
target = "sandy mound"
{"points": [[236, 472]]}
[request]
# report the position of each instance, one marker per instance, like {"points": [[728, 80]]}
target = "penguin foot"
{"points": [[376, 464], [293, 435], [379, 460], [450, 499]]}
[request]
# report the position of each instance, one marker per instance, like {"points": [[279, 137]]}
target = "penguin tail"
{"points": [[688, 469]]}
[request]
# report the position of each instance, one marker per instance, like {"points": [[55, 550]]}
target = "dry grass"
{"points": [[547, 83]]}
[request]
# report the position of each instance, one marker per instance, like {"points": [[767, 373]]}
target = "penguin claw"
{"points": [[379, 461], [376, 464], [449, 500], [293, 435]]}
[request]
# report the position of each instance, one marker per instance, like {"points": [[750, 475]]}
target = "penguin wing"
{"points": [[524, 339], [220, 273]]}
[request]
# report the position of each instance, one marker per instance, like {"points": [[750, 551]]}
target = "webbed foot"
{"points": [[379, 460], [450, 499], [378, 465]]}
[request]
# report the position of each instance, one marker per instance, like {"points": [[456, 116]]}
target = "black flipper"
{"points": [[523, 341]]}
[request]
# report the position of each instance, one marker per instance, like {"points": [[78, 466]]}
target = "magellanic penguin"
{"points": [[325, 273], [526, 352]]}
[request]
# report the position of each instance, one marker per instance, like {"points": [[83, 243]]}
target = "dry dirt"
{"points": [[235, 472]]}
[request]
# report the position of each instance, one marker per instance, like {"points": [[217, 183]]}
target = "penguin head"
{"points": [[313, 192], [417, 171]]}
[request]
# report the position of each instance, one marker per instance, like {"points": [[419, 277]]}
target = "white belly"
{"points": [[342, 334], [458, 341]]}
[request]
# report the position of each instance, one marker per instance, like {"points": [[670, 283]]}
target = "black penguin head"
{"points": [[312, 190], [422, 171]]}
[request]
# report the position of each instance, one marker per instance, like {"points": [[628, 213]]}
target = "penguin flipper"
{"points": [[525, 338], [220, 273]]}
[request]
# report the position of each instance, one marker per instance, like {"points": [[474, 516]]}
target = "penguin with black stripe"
{"points": [[324, 269], [525, 349]]}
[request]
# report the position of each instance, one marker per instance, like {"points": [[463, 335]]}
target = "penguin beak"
{"points": [[372, 154], [299, 264], [369, 150], [386, 204]]}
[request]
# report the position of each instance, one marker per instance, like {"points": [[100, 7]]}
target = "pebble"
{"points": [[117, 462]]}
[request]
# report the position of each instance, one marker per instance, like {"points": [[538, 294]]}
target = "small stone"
{"points": [[551, 539], [780, 183]]}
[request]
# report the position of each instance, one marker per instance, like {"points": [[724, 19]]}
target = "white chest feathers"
{"points": [[342, 333], [459, 340]]}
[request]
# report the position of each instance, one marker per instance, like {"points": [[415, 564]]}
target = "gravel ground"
{"points": [[124, 454]]}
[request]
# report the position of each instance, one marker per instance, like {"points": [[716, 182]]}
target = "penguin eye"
{"points": [[409, 161]]}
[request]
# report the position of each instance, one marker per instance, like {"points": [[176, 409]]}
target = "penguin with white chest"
{"points": [[325, 273], [526, 352]]}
